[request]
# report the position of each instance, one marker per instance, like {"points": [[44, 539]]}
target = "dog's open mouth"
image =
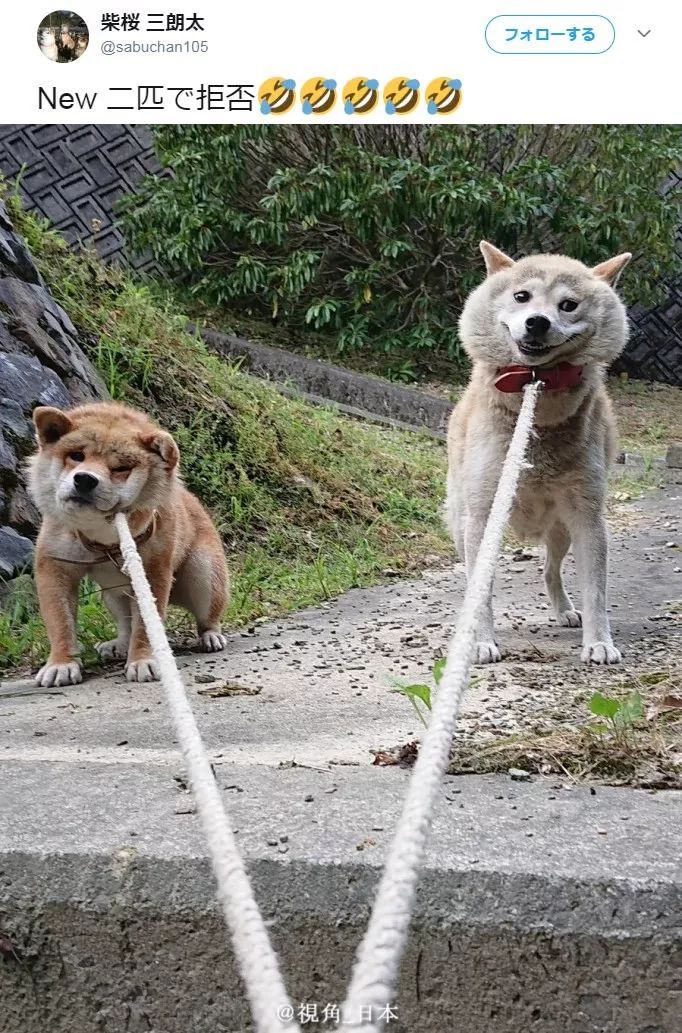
{"points": [[82, 502], [534, 348], [537, 349]]}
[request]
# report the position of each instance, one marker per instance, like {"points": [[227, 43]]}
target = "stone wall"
{"points": [[41, 363]]}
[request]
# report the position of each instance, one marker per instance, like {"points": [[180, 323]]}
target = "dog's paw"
{"points": [[143, 670], [487, 653], [114, 649], [571, 618], [212, 641], [59, 674], [601, 653]]}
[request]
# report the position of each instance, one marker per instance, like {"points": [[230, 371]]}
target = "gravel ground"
{"points": [[319, 681]]}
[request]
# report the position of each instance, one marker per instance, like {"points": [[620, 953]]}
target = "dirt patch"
{"points": [[649, 415], [647, 756], [544, 736]]}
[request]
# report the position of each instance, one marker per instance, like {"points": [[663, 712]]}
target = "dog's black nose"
{"points": [[537, 326], [85, 482]]}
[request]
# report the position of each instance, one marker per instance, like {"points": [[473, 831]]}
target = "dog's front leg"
{"points": [[487, 651], [57, 586], [590, 548], [141, 665]]}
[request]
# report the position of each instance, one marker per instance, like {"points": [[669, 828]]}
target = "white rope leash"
{"points": [[257, 960], [378, 957]]}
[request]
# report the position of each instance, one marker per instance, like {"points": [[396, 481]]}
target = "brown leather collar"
{"points": [[113, 552]]}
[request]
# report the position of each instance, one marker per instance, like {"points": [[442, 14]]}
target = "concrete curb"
{"points": [[114, 934], [356, 394]]}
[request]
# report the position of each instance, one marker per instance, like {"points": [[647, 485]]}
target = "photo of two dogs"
{"points": [[543, 317]]}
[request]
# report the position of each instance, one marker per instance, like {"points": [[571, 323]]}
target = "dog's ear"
{"points": [[611, 269], [494, 258], [50, 424], [163, 445]]}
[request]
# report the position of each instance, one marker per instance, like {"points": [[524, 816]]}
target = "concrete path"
{"points": [[543, 906]]}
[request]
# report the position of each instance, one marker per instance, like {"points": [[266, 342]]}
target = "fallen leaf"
{"points": [[654, 677], [404, 755], [228, 689], [384, 759]]}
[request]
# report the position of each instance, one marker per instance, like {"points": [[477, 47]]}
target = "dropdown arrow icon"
{"points": [[644, 34]]}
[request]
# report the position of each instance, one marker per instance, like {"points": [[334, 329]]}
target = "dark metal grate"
{"points": [[655, 348], [74, 175]]}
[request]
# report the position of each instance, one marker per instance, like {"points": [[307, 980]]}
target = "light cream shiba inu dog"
{"points": [[550, 318], [93, 462]]}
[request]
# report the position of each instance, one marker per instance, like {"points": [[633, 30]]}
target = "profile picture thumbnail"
{"points": [[63, 36]]}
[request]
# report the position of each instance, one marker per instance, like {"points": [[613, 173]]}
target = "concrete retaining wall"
{"points": [[136, 945], [354, 393], [539, 910]]}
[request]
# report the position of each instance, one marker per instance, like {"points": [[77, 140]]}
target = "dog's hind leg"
{"points": [[202, 587], [590, 547], [558, 542], [487, 651], [452, 515], [117, 601]]}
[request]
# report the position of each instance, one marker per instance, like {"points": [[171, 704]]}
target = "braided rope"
{"points": [[257, 960], [378, 957]]}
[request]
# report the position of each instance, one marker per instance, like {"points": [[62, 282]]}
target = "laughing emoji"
{"points": [[443, 96], [401, 96], [360, 96], [318, 96], [276, 96]]}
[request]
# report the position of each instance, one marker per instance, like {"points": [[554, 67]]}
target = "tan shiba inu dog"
{"points": [[551, 318], [93, 462]]}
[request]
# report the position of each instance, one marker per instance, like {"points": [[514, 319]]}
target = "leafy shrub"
{"points": [[368, 236]]}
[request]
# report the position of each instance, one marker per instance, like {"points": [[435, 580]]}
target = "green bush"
{"points": [[368, 236]]}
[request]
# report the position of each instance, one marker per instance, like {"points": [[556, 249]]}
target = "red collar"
{"points": [[513, 379]]}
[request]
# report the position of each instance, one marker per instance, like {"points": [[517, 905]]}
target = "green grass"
{"points": [[23, 639], [308, 503]]}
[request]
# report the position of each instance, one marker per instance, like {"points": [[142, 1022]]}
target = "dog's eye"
{"points": [[568, 305], [77, 457], [121, 469], [522, 297]]}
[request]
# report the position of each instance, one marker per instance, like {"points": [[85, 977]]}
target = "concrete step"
{"points": [[545, 906], [539, 907]]}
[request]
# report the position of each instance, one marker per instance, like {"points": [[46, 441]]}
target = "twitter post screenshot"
{"points": [[341, 517]]}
